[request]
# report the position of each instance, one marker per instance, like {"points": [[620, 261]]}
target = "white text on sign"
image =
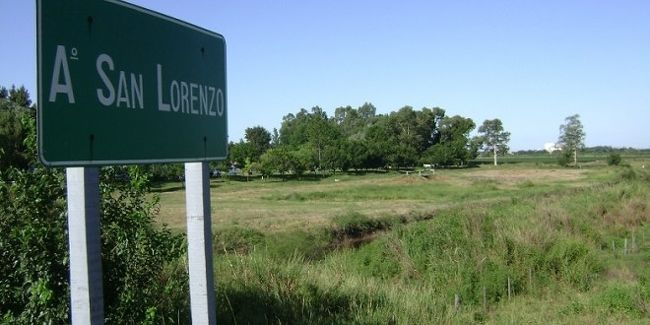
{"points": [[121, 88]]}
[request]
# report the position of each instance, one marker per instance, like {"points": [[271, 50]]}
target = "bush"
{"points": [[380, 259], [14, 127], [135, 253], [617, 298], [614, 159], [355, 224], [573, 262], [628, 174], [142, 277], [564, 159], [33, 248]]}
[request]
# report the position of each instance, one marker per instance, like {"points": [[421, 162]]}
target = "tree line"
{"points": [[359, 138]]}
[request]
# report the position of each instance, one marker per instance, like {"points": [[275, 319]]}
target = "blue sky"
{"points": [[529, 63]]}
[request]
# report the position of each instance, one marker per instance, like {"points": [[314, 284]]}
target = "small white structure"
{"points": [[551, 147]]}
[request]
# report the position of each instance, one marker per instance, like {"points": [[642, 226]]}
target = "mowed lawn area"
{"points": [[275, 204]]}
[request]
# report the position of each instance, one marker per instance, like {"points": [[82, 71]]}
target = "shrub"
{"points": [[614, 159], [573, 262], [33, 247], [140, 279], [354, 224], [644, 282], [628, 174], [617, 298], [379, 259], [564, 159], [134, 252]]}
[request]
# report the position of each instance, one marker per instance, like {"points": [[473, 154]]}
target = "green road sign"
{"points": [[119, 84]]}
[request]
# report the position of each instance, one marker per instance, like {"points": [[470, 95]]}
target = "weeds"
{"points": [[477, 263]]}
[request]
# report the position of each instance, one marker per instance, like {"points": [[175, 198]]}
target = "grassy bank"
{"points": [[541, 252]]}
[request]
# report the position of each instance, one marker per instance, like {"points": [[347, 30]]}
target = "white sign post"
{"points": [[199, 243], [86, 292]]}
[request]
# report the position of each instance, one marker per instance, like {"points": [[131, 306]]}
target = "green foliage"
{"points": [[547, 244], [628, 174], [283, 160], [20, 96], [572, 136], [33, 247], [354, 224], [494, 138], [257, 291], [239, 152], [360, 139], [309, 245], [454, 147], [573, 262], [293, 131], [564, 159], [15, 126], [378, 259], [134, 251], [260, 141], [140, 279], [644, 283], [166, 172], [617, 298], [237, 239], [275, 160], [143, 278], [614, 159]]}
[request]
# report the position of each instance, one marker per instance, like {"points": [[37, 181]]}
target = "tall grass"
{"points": [[480, 263]]}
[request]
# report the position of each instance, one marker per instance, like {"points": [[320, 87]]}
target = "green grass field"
{"points": [[277, 205], [519, 243]]}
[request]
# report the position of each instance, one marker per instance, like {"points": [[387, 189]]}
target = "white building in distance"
{"points": [[551, 147]]}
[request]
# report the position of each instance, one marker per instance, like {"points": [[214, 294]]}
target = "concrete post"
{"points": [[86, 292], [199, 238]]}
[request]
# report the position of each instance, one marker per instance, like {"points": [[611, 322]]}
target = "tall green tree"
{"points": [[259, 139], [238, 152], [453, 144], [318, 132], [275, 138], [353, 123], [572, 136], [293, 131], [20, 96], [367, 112], [405, 134], [380, 141], [15, 122], [276, 159], [494, 138]]}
